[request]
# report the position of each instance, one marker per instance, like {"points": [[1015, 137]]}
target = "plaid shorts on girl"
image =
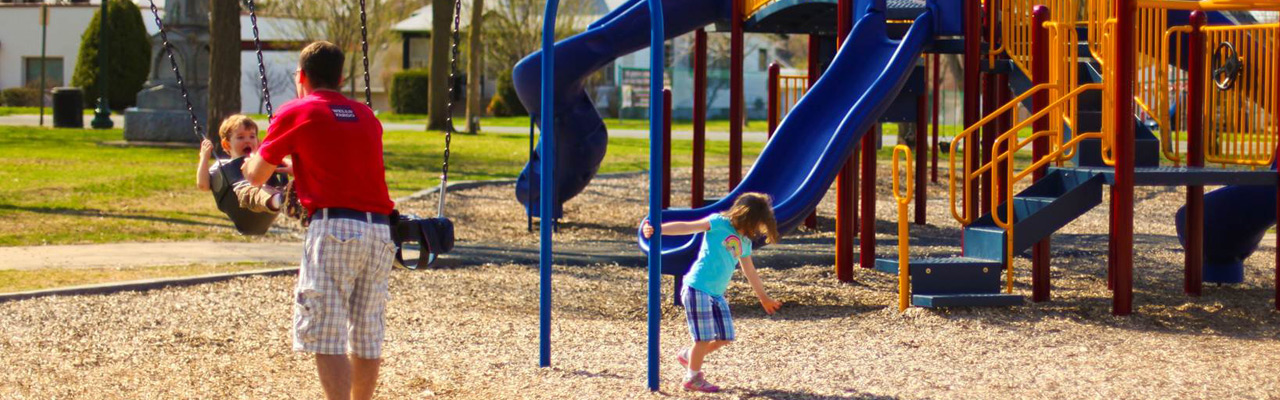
{"points": [[708, 316]]}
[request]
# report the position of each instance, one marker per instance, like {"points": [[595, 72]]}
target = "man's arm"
{"points": [[257, 170]]}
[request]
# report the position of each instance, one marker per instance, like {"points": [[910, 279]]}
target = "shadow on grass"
{"points": [[90, 212]]}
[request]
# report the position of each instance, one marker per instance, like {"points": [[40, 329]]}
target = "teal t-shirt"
{"points": [[721, 249]]}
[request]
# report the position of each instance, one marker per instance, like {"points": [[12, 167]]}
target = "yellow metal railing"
{"points": [[963, 142], [1016, 27], [1240, 121], [790, 89], [904, 239]]}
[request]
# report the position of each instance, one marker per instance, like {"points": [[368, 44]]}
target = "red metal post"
{"points": [[774, 71], [735, 94], [845, 218], [922, 125], [867, 239], [937, 94], [972, 81], [666, 148], [1122, 196], [697, 182], [1040, 147], [1194, 256], [814, 73]]}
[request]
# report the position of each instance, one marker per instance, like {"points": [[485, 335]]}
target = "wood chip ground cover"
{"points": [[471, 331]]}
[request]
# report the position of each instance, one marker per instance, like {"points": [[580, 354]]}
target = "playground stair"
{"points": [[976, 279]]}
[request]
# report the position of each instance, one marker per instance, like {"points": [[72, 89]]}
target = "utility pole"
{"points": [[102, 114]]}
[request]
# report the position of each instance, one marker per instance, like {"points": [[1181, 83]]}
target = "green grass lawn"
{"points": [[61, 186]]}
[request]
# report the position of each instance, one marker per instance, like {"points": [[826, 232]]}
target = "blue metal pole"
{"points": [[656, 53], [545, 190]]}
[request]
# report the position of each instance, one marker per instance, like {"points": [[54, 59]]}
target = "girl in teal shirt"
{"points": [[725, 244]]}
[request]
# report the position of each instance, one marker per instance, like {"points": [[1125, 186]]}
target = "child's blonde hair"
{"points": [[752, 215], [233, 123]]}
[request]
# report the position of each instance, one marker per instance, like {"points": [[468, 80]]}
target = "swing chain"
{"points": [[448, 127], [262, 68], [364, 49]]}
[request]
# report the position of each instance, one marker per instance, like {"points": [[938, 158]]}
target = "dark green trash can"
{"points": [[68, 107]]}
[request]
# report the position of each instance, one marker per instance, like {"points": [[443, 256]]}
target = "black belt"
{"points": [[347, 213]]}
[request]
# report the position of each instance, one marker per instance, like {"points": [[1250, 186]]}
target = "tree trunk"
{"points": [[224, 66], [438, 92], [475, 68]]}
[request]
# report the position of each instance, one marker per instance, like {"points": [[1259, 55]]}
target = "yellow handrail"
{"points": [[964, 136], [904, 239], [1007, 157]]}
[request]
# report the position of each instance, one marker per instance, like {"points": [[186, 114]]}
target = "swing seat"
{"points": [[247, 222], [433, 236]]}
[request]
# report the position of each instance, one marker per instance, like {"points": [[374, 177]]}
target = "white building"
{"points": [[20, 49], [20, 43]]}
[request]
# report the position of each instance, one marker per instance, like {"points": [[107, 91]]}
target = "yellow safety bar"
{"points": [[904, 239]]}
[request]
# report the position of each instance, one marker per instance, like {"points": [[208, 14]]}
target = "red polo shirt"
{"points": [[336, 144]]}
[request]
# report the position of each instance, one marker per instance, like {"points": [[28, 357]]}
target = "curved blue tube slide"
{"points": [[1235, 220], [581, 137], [820, 133]]}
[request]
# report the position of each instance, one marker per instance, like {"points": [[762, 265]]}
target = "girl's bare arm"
{"points": [[680, 228], [749, 269]]}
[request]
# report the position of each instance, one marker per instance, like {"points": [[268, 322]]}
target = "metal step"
{"points": [[949, 275], [1040, 210], [966, 300]]}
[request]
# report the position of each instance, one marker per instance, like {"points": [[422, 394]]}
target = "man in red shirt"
{"points": [[336, 148]]}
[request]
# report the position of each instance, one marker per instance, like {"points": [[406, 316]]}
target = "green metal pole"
{"points": [[102, 115]]}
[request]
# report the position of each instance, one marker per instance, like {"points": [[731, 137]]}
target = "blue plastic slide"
{"points": [[581, 137], [1235, 220], [819, 134]]}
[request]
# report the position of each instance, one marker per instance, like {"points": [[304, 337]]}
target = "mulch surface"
{"points": [[469, 329]]}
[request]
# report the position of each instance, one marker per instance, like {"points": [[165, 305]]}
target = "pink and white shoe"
{"points": [[683, 358], [700, 384]]}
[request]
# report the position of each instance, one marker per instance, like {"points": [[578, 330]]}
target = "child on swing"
{"points": [[240, 139], [726, 244]]}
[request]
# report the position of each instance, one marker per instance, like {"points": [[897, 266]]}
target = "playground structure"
{"points": [[1109, 107]]}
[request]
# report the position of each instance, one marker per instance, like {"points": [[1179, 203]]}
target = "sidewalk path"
{"points": [[146, 254], [759, 137]]}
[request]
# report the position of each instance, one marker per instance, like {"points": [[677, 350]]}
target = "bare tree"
{"points": [[224, 60], [338, 21], [515, 29], [438, 88]]}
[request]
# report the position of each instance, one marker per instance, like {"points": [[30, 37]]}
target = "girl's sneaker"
{"points": [[700, 384], [683, 358]]}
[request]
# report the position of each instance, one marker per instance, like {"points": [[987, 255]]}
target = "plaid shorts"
{"points": [[708, 315], [342, 288]]}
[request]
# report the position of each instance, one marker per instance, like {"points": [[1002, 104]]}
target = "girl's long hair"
{"points": [[752, 216]]}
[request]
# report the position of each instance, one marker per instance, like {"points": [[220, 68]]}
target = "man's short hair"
{"points": [[322, 62]]}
